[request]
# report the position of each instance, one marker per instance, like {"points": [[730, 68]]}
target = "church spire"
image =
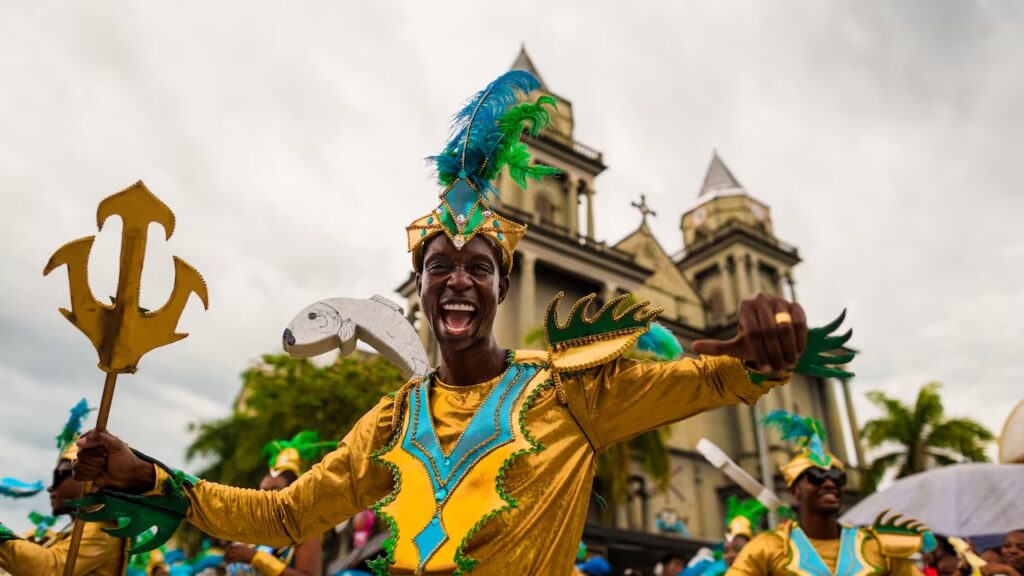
{"points": [[718, 177], [524, 63]]}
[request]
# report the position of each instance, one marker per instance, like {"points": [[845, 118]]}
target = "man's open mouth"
{"points": [[457, 317]]}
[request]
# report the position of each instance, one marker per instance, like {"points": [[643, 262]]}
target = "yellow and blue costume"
{"points": [[884, 548], [495, 477], [100, 554]]}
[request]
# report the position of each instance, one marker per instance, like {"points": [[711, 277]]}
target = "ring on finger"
{"points": [[783, 318]]}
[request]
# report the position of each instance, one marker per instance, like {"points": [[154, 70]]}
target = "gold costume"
{"points": [[515, 508], [100, 554], [859, 552]]}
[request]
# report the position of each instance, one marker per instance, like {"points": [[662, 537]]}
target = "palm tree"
{"points": [[922, 433]]}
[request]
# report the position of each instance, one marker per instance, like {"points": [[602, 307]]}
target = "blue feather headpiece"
{"points": [[808, 435], [485, 138], [69, 435]]}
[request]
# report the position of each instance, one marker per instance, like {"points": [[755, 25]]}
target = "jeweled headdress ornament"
{"points": [[294, 454], [67, 440], [484, 139], [809, 436]]}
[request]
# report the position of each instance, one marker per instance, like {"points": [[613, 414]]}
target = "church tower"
{"points": [[731, 251], [555, 201]]}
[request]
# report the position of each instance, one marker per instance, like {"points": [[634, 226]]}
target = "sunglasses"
{"points": [[59, 476], [817, 476]]}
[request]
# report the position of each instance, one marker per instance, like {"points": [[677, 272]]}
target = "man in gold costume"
{"points": [[485, 465], [817, 544], [100, 554]]}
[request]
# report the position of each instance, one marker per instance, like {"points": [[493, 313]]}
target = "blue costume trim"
{"points": [[847, 564], [489, 428]]}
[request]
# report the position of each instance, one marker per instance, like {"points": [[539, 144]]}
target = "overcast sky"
{"points": [[288, 139]]}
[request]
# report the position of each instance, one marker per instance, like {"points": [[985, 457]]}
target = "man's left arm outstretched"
{"points": [[626, 397]]}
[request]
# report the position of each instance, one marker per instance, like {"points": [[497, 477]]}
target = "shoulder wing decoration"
{"points": [[901, 539], [586, 340]]}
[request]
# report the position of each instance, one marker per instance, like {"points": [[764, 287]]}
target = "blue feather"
{"points": [[74, 425], [659, 342], [476, 134], [18, 489], [805, 432]]}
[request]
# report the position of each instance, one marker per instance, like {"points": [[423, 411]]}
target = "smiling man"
{"points": [[486, 464], [817, 544]]}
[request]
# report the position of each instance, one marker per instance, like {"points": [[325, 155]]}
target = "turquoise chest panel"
{"points": [[848, 563], [489, 428]]}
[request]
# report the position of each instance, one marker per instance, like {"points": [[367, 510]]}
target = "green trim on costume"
{"points": [[581, 327], [814, 362], [466, 564], [379, 565], [137, 515]]}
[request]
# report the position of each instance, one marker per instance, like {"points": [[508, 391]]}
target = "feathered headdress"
{"points": [[808, 435], [484, 139], [294, 454], [742, 516], [66, 440]]}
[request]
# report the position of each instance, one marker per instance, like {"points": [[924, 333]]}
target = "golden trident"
{"points": [[122, 331]]}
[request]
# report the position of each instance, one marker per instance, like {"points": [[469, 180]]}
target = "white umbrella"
{"points": [[961, 500]]}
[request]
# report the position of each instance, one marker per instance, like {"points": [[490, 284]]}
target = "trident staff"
{"points": [[122, 331]]}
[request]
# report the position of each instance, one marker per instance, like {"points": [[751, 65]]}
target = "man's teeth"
{"points": [[459, 307]]}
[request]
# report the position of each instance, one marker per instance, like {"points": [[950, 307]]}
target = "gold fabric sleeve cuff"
{"points": [[159, 475], [267, 564]]}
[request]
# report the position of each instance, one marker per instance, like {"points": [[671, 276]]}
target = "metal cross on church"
{"points": [[643, 207]]}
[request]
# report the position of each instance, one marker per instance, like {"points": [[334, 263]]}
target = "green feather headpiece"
{"points": [[742, 516], [294, 454]]}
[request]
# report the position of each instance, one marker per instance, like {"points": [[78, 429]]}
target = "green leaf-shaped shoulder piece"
{"points": [[901, 537], [582, 327]]}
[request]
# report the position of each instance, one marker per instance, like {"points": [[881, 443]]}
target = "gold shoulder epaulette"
{"points": [[900, 539], [586, 340]]}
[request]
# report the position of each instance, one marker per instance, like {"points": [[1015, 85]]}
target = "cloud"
{"points": [[289, 144]]}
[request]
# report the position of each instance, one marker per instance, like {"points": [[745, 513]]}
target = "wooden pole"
{"points": [[101, 426]]}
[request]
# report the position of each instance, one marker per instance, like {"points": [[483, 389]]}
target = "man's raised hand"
{"points": [[771, 338], [110, 463]]}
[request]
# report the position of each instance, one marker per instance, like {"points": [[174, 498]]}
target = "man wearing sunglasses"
{"points": [[816, 544], [100, 553]]}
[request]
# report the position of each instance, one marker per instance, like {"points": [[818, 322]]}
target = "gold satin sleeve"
{"points": [[99, 555], [345, 482], [626, 397], [765, 555]]}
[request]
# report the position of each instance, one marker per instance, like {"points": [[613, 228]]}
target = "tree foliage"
{"points": [[282, 396], [922, 433]]}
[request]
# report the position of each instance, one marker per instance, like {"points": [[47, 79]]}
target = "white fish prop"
{"points": [[337, 323]]}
